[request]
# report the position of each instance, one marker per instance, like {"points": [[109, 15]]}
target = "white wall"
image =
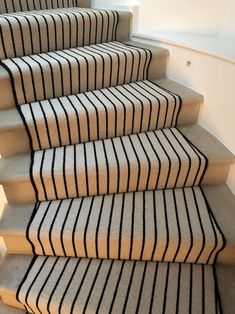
{"points": [[227, 26], [108, 3], [180, 16], [208, 17]]}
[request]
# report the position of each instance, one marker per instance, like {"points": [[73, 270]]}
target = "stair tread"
{"points": [[217, 196], [98, 62], [146, 161], [101, 114], [58, 21], [19, 5], [126, 226], [17, 167], [10, 118], [149, 278]]}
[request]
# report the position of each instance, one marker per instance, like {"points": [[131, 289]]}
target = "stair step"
{"points": [[78, 70], [136, 174], [14, 231], [78, 285], [6, 309], [60, 29], [10, 6], [116, 111], [168, 226]]}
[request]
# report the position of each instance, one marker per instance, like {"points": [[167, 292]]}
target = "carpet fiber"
{"points": [[35, 32], [146, 161], [114, 178], [169, 225], [111, 112], [76, 70], [70, 285], [8, 6]]}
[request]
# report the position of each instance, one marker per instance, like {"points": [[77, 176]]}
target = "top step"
{"points": [[30, 33], [9, 6]]}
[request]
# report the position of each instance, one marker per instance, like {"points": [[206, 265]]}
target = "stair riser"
{"points": [[9, 298], [18, 244], [157, 69], [22, 192], [10, 144]]}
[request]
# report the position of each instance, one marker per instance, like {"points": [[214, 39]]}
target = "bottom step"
{"points": [[73, 285]]}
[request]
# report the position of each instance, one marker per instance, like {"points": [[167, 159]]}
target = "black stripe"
{"points": [[97, 227], [34, 280], [93, 284], [75, 226], [86, 227], [63, 227], [189, 225], [151, 310], [217, 292], [166, 288], [132, 225], [36, 205], [196, 150], [129, 287], [45, 282], [51, 228], [104, 287], [40, 226], [68, 285], [216, 223], [109, 226], [175, 96], [116, 287], [57, 284], [33, 260], [178, 225]]}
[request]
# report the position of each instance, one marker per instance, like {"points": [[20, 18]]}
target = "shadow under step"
{"points": [[75, 285], [77, 70], [116, 111], [11, 6], [167, 225], [147, 161]]}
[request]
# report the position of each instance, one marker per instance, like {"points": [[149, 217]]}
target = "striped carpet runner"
{"points": [[116, 182], [169, 225], [106, 113], [72, 285], [9, 6], [146, 161], [28, 33], [76, 70]]}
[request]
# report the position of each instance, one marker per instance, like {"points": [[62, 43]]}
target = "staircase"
{"points": [[117, 199]]}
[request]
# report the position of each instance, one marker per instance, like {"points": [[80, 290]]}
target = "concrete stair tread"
{"points": [[14, 231], [157, 69], [16, 266], [12, 127], [17, 167]]}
